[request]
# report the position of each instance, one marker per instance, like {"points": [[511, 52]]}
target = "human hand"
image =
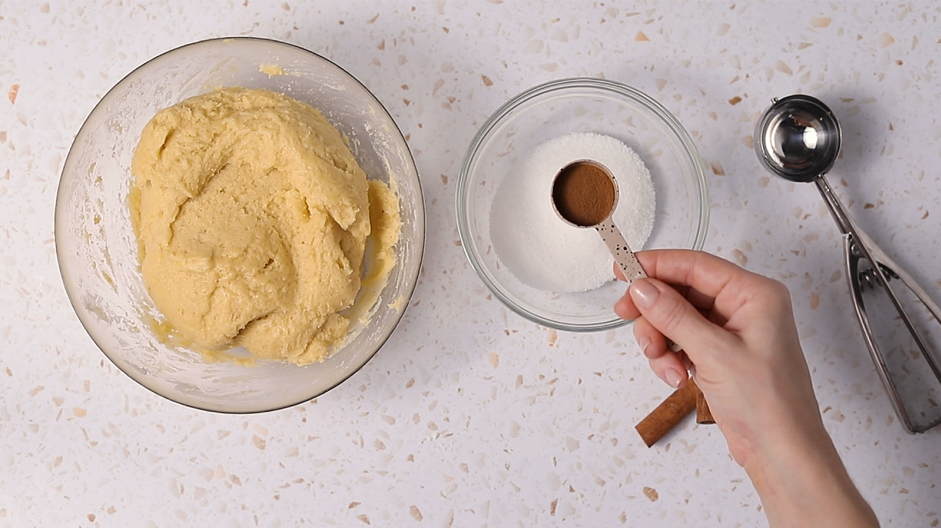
{"points": [[741, 346], [738, 332]]}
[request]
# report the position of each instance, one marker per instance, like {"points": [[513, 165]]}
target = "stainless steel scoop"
{"points": [[798, 138]]}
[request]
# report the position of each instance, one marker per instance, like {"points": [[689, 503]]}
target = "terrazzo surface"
{"points": [[470, 415]]}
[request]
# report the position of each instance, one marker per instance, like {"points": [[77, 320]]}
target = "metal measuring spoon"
{"points": [[798, 138], [585, 194]]}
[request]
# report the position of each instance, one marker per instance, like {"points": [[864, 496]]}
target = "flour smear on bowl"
{"points": [[537, 246]]}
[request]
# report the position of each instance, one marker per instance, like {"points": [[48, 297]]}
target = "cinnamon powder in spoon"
{"points": [[584, 194]]}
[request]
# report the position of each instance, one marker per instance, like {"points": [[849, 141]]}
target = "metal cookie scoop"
{"points": [[798, 138]]}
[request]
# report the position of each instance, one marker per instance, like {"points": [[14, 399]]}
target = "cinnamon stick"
{"points": [[703, 414], [668, 414], [671, 412]]}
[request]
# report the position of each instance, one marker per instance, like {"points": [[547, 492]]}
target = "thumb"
{"points": [[673, 316]]}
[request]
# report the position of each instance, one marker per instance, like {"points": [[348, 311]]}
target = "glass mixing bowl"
{"points": [[97, 248], [556, 109]]}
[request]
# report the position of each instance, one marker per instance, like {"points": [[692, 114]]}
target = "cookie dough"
{"points": [[252, 218]]}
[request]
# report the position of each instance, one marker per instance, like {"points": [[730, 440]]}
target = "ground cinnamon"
{"points": [[584, 193]]}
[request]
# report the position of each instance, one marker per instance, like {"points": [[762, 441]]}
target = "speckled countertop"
{"points": [[471, 416]]}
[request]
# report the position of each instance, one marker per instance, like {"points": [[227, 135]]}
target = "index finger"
{"points": [[706, 273], [700, 276]]}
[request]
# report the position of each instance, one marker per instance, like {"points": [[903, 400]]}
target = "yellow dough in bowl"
{"points": [[252, 219]]}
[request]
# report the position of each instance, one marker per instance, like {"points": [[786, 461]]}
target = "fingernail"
{"points": [[674, 378], [644, 346], [644, 294]]}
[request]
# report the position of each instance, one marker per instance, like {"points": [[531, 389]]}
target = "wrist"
{"points": [[802, 482]]}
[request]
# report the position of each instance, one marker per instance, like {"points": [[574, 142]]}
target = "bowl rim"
{"points": [[65, 271], [501, 114]]}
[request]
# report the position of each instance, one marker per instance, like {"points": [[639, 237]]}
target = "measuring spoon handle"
{"points": [[632, 270], [621, 251]]}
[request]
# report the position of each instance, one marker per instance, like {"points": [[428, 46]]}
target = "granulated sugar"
{"points": [[538, 247]]}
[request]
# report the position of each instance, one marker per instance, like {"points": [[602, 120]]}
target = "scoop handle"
{"points": [[880, 276], [858, 246]]}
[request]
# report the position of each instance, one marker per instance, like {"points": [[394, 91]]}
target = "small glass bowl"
{"points": [[97, 249], [555, 109]]}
